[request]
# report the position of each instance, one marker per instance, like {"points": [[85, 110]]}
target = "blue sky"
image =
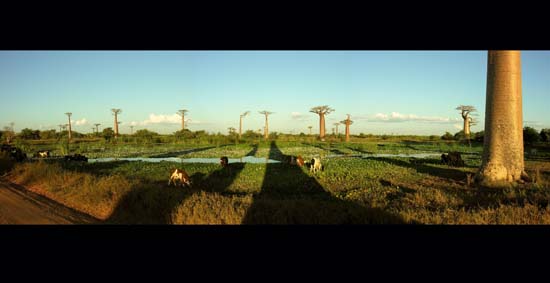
{"points": [[400, 92]]}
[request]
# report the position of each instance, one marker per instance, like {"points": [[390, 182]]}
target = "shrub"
{"points": [[530, 135], [447, 136]]}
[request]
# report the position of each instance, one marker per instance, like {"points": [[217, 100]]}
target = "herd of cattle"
{"points": [[18, 155], [179, 175]]}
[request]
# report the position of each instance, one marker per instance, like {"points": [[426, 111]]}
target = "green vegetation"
{"points": [[359, 188]]}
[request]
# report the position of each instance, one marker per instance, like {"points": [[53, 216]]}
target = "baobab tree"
{"points": [[266, 128], [131, 130], [309, 127], [321, 111], [347, 122], [503, 159], [231, 130], [241, 123], [465, 111], [97, 129], [61, 127], [69, 115], [336, 127], [182, 114], [115, 113]]}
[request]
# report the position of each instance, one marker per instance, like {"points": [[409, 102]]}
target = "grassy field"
{"points": [[354, 188]]}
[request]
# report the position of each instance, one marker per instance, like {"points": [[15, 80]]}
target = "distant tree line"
{"points": [[530, 136]]}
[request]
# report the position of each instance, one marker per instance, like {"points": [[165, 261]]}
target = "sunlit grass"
{"points": [[352, 190]]}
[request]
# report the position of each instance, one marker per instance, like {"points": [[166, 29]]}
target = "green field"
{"points": [[354, 188]]}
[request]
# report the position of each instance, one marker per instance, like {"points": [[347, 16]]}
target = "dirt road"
{"points": [[20, 206]]}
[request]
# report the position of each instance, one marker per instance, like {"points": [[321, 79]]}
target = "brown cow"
{"points": [[180, 175]]}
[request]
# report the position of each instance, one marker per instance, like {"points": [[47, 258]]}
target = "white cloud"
{"points": [[81, 122], [398, 117], [299, 116], [458, 126], [155, 119]]}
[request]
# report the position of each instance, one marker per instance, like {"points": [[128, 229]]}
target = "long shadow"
{"points": [[360, 150], [253, 151], [291, 196], [154, 203], [332, 150], [409, 144], [187, 151], [453, 174]]}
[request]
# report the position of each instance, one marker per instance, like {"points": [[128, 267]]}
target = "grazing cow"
{"points": [[180, 175], [224, 162], [315, 165], [299, 161], [452, 159], [43, 154]]}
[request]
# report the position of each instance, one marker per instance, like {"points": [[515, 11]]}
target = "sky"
{"points": [[385, 92]]}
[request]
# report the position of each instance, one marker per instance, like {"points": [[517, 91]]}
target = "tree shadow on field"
{"points": [[253, 151], [182, 152], [447, 173], [291, 196], [154, 202], [359, 150]]}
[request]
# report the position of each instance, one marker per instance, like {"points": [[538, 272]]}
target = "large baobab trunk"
{"points": [[182, 122], [116, 125], [467, 128], [240, 127], [321, 125], [116, 112], [347, 122], [266, 130], [503, 141], [70, 130], [347, 132], [321, 111], [182, 114]]}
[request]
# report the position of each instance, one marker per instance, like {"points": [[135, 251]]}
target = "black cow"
{"points": [[224, 162], [76, 157], [452, 159]]}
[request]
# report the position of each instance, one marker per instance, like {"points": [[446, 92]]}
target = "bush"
{"points": [[530, 135], [447, 136], [545, 135], [459, 136]]}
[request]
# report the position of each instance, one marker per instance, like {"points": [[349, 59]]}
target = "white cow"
{"points": [[315, 165]]}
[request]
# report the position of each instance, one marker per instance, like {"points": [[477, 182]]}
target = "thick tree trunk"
{"points": [[467, 127], [116, 126], [503, 141], [266, 130], [322, 126], [182, 122], [240, 127], [70, 130], [347, 131]]}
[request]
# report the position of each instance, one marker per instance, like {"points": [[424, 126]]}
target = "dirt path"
{"points": [[20, 206]]}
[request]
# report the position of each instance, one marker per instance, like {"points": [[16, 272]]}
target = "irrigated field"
{"points": [[361, 183]]}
